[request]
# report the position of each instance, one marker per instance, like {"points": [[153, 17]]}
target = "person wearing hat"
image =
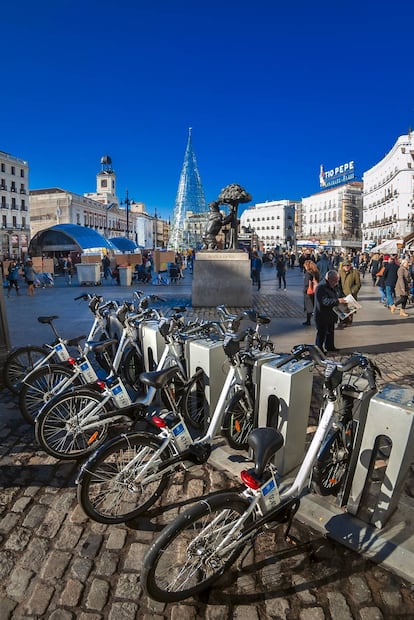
{"points": [[350, 283]]}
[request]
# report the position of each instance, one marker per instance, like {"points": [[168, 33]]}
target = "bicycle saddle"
{"points": [[47, 319], [264, 442], [158, 378], [73, 342], [97, 346]]}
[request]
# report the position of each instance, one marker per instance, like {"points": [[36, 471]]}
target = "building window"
{"points": [[104, 183], [23, 222], [22, 189], [23, 205], [3, 202], [3, 167], [13, 170], [13, 203], [4, 221], [14, 221], [22, 173]]}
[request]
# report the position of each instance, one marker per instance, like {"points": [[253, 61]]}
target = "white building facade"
{"points": [[14, 206], [273, 224], [388, 204], [332, 218]]}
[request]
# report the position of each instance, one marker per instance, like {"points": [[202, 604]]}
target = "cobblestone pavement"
{"points": [[57, 564]]}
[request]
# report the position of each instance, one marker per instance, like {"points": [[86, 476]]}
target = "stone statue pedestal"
{"points": [[222, 277]]}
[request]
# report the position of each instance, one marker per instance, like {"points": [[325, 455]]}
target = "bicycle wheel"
{"points": [[195, 407], [190, 554], [332, 464], [132, 365], [58, 428], [238, 421], [109, 488], [19, 363], [36, 390]]}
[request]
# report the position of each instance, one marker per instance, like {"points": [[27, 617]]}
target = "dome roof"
{"points": [[106, 160]]}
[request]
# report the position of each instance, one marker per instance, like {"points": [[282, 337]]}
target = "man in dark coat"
{"points": [[326, 298], [390, 280]]}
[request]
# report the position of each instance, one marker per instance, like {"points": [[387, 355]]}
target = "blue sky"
{"points": [[272, 90]]}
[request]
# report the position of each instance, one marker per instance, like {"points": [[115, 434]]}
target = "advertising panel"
{"points": [[338, 175]]}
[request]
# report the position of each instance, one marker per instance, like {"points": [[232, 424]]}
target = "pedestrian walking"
{"points": [[106, 268], [30, 276], [13, 276], [390, 280], [402, 288], [311, 279], [281, 271], [349, 283], [67, 270], [256, 268], [326, 299]]}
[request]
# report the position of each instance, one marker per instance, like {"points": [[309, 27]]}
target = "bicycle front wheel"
{"points": [[238, 421], [58, 427], [193, 551], [113, 486], [332, 464], [19, 363], [195, 407], [43, 383]]}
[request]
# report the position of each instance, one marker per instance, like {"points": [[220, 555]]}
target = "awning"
{"points": [[67, 238], [123, 244], [388, 247]]}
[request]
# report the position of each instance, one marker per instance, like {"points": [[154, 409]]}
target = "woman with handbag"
{"points": [[310, 282]]}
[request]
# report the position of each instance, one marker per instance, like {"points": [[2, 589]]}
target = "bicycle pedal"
{"points": [[292, 540]]}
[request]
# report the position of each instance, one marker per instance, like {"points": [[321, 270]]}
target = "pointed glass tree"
{"points": [[190, 197]]}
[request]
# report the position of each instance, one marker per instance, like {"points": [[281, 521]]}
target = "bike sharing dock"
{"points": [[391, 545]]}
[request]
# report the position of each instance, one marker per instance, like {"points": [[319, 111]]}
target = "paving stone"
{"points": [[35, 554], [371, 613], [21, 504], [277, 608], [116, 539], [135, 556], [61, 614], [72, 593], [312, 613], [35, 516], [51, 523], [18, 539], [183, 612], [55, 565], [245, 612], [359, 590], [81, 568], [9, 522], [128, 586], [39, 599], [91, 546], [7, 562], [338, 606], [19, 583], [107, 563], [392, 599], [69, 536], [98, 594], [123, 611], [7, 606]]}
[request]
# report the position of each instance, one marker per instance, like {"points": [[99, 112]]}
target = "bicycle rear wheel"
{"points": [[58, 427], [332, 464], [37, 389], [19, 363], [109, 488], [195, 407], [186, 558], [238, 421]]}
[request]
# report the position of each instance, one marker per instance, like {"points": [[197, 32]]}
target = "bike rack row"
{"points": [[384, 441]]}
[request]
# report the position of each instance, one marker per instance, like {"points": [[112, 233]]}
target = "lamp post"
{"points": [[127, 202]]}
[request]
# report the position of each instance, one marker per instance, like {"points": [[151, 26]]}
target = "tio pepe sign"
{"points": [[336, 176]]}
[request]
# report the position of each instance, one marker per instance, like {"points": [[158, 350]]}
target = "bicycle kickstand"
{"points": [[292, 511]]}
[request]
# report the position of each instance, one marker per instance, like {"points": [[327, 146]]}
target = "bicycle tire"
{"points": [[238, 421], [57, 428], [108, 494], [331, 466], [36, 392], [19, 363], [195, 407], [132, 365], [183, 560]]}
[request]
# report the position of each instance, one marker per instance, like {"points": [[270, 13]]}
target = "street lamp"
{"points": [[127, 202]]}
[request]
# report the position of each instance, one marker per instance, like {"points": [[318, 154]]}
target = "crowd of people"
{"points": [[330, 278]]}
